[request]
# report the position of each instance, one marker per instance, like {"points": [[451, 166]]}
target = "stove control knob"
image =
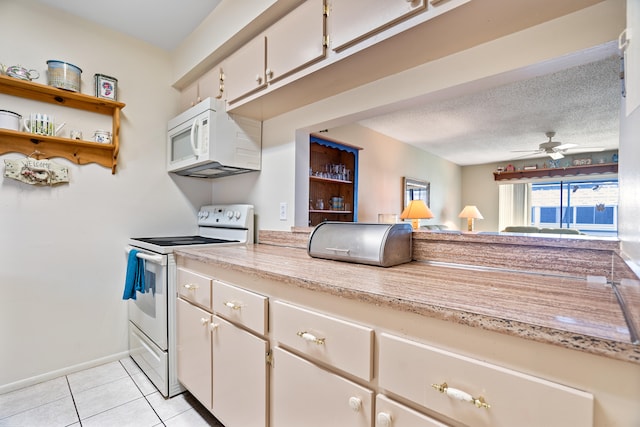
{"points": [[230, 214], [237, 214], [203, 214]]}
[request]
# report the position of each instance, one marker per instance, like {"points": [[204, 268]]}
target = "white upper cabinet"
{"points": [[296, 40], [354, 20], [287, 46], [244, 71], [206, 86]]}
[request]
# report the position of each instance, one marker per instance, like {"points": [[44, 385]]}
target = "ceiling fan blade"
{"points": [[524, 156], [556, 155], [527, 151], [584, 149], [565, 146]]}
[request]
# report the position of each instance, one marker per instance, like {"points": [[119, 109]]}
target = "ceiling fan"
{"points": [[554, 149]]}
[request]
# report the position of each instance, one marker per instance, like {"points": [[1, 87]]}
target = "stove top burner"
{"points": [[182, 240]]}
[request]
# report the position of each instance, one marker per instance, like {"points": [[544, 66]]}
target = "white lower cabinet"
{"points": [[477, 393], [393, 414], [304, 394], [194, 350], [240, 375], [222, 362]]}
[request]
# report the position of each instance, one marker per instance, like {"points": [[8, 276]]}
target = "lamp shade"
{"points": [[416, 210], [471, 213]]}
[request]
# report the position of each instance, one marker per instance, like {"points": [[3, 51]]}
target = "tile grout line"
{"points": [[66, 378], [143, 395]]}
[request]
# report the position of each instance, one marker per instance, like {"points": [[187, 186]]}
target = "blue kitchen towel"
{"points": [[135, 276]]}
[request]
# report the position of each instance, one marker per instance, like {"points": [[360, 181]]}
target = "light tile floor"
{"points": [[114, 394]]}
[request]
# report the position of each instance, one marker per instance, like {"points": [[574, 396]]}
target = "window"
{"points": [[589, 206]]}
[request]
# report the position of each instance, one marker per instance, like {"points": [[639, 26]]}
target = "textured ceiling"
{"points": [[581, 104]]}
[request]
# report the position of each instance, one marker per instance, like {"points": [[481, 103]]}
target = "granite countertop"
{"points": [[565, 311]]}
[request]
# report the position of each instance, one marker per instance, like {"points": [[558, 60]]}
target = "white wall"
{"points": [[480, 189], [62, 259], [629, 182]]}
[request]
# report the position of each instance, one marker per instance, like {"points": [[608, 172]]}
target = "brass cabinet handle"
{"points": [[478, 402], [232, 305], [310, 337], [190, 287]]}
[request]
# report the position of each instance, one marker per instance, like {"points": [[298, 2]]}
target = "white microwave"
{"points": [[207, 142]]}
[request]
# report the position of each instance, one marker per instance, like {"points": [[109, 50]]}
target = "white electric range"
{"points": [[152, 315]]}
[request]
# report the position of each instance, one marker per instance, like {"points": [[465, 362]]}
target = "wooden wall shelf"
{"points": [[551, 172], [79, 152]]}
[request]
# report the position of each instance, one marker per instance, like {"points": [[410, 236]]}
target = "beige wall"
{"points": [[62, 260], [383, 164]]}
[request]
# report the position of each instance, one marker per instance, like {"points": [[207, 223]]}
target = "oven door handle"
{"points": [[157, 259]]}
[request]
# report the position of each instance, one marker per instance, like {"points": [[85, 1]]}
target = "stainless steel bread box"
{"points": [[364, 243]]}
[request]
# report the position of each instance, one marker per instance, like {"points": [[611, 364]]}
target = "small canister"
{"points": [[9, 120], [102, 136]]}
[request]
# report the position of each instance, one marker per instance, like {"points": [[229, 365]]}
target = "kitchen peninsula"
{"points": [[537, 341]]}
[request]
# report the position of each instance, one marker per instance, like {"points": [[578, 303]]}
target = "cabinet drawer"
{"points": [[393, 414], [241, 306], [195, 287], [338, 343], [302, 394], [409, 369]]}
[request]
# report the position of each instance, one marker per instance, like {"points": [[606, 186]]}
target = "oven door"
{"points": [[149, 310]]}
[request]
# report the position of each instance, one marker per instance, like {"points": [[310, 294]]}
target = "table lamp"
{"points": [[415, 211], [471, 213]]}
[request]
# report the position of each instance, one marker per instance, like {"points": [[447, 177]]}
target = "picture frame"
{"points": [[106, 87]]}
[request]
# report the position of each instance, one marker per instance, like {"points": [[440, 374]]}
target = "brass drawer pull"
{"points": [[310, 338], [478, 402], [190, 287], [232, 305]]}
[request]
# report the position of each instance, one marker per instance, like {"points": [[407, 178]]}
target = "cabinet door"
{"points": [[239, 376], [296, 40], [245, 69], [306, 395], [194, 350], [188, 96], [206, 86], [354, 20], [393, 414]]}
